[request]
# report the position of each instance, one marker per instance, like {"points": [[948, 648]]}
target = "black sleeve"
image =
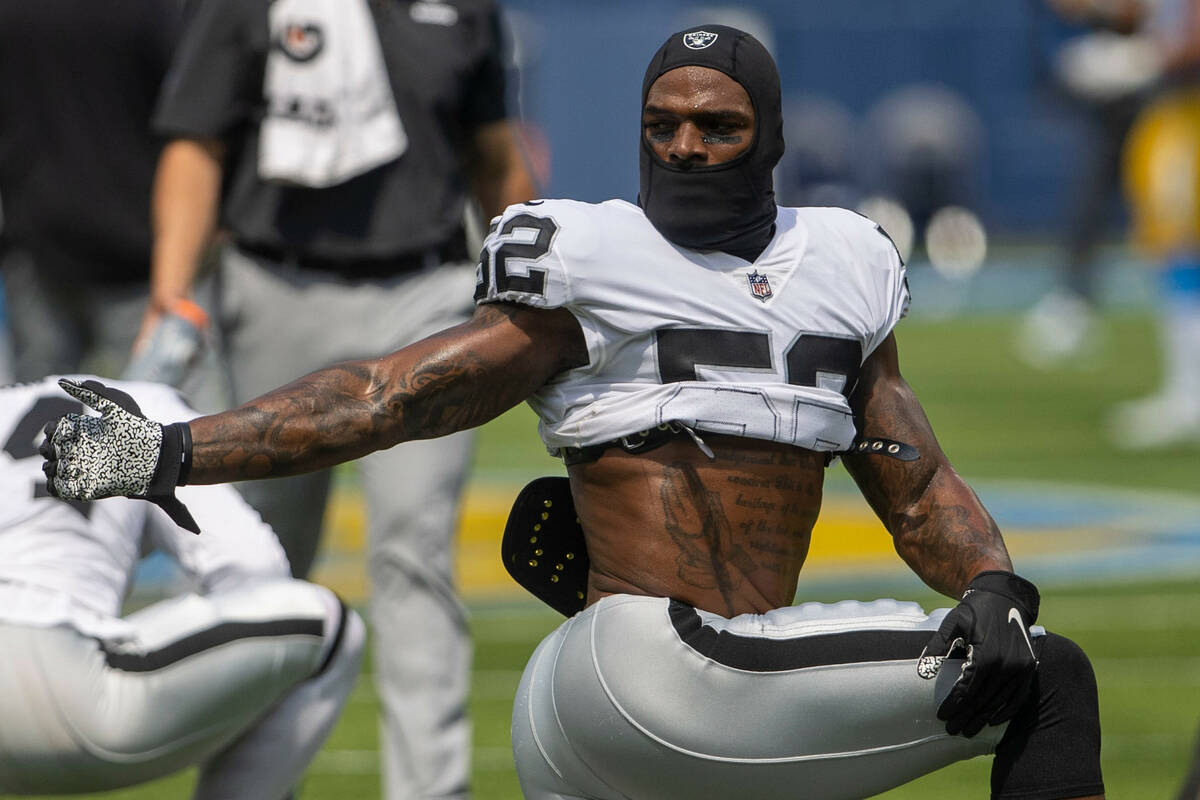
{"points": [[215, 80], [162, 25], [483, 96]]}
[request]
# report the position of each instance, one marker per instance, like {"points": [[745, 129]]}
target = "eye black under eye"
{"points": [[660, 131]]}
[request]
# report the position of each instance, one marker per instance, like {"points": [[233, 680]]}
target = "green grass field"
{"points": [[996, 419]]}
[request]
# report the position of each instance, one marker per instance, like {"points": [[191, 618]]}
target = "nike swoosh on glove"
{"points": [[992, 621], [119, 453]]}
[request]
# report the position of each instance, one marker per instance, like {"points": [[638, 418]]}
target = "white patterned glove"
{"points": [[119, 453]]}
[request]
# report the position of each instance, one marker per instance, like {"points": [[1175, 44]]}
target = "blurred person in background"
{"points": [[1101, 73], [697, 360], [78, 83], [1162, 182], [338, 144], [919, 155], [818, 167], [243, 676]]}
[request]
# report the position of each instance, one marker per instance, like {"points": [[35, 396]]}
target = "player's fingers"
{"points": [[979, 700], [1009, 708], [967, 717], [116, 396], [46, 448], [999, 708], [936, 646], [951, 708], [87, 395], [949, 634], [178, 513], [65, 431], [987, 709], [50, 467], [956, 708]]}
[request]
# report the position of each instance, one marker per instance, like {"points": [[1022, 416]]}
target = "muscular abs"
{"points": [[728, 535]]}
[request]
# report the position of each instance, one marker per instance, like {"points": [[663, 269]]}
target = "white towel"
{"points": [[330, 111]]}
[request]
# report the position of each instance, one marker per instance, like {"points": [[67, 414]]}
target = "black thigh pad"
{"points": [[543, 546]]}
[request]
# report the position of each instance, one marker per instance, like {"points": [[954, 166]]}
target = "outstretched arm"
{"points": [[454, 380], [451, 381], [938, 525]]}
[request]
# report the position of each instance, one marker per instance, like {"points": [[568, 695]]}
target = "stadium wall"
{"points": [[583, 64]]}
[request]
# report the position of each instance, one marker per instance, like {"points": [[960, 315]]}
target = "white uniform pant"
{"points": [[640, 698], [280, 322], [226, 681]]}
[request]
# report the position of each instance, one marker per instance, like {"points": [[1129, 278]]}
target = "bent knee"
{"points": [[1064, 667], [1052, 747]]}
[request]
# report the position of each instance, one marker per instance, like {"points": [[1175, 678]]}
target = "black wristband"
{"points": [[1012, 586], [174, 460], [185, 457]]}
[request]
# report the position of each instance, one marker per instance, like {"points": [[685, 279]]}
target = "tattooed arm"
{"points": [[451, 381], [938, 525]]}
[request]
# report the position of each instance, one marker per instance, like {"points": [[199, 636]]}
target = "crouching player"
{"points": [[244, 678], [696, 361]]}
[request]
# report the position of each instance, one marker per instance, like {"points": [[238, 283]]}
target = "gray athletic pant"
{"points": [[279, 322], [642, 698]]}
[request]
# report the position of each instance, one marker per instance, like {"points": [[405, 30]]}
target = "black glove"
{"points": [[992, 624], [119, 452]]}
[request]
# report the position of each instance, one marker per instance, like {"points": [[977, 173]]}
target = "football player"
{"points": [[243, 677], [697, 360]]}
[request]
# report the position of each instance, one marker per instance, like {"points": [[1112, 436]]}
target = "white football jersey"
{"points": [[71, 562], [768, 350]]}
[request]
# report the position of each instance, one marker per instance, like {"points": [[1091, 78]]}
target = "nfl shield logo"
{"points": [[760, 287], [698, 40]]}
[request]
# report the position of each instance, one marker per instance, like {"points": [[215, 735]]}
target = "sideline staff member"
{"points": [[356, 268]]}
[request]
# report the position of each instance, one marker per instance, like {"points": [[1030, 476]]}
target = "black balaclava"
{"points": [[731, 206]]}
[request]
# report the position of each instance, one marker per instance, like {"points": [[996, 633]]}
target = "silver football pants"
{"points": [[642, 698]]}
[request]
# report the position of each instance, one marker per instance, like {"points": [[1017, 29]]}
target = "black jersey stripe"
{"points": [[207, 639], [756, 654]]}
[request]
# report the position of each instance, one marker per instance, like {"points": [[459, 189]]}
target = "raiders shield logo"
{"points": [[760, 286], [301, 41], [698, 40]]}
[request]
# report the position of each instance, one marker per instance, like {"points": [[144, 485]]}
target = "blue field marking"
{"points": [[1063, 534]]}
